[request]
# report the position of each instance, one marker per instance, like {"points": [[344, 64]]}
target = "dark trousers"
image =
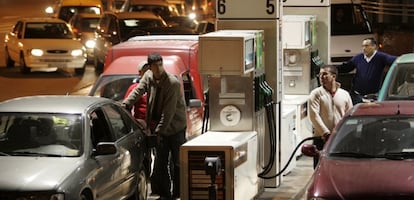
{"points": [[167, 171], [318, 142]]}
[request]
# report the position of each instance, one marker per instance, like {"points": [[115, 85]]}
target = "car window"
{"points": [[86, 24], [117, 121], [39, 30], [113, 87], [349, 19], [45, 134], [374, 136], [162, 11], [100, 129], [401, 86], [67, 12], [189, 91]]}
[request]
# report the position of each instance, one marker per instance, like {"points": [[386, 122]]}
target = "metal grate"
{"points": [[199, 181]]}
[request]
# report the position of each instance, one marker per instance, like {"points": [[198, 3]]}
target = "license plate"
{"points": [[58, 65]]}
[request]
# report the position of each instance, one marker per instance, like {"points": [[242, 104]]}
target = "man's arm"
{"points": [[346, 67], [137, 92]]}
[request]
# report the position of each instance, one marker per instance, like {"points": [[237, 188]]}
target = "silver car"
{"points": [[70, 148]]}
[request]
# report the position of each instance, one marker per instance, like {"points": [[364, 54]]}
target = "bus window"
{"points": [[349, 19]]}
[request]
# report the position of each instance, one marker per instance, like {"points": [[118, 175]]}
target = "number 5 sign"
{"points": [[247, 9]]}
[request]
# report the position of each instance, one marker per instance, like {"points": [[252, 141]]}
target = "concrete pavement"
{"points": [[293, 186]]}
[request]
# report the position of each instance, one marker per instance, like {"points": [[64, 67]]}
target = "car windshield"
{"points": [[40, 134], [42, 30], [87, 24], [374, 137], [163, 11], [67, 12], [113, 86], [402, 82]]}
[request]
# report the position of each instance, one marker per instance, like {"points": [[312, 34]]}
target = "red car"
{"points": [[122, 72], [370, 155]]}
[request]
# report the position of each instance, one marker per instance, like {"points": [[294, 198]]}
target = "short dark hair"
{"points": [[154, 57], [332, 68], [372, 40]]}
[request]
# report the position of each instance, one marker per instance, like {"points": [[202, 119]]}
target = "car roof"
{"points": [[42, 19], [128, 65], [140, 14], [405, 58], [51, 103], [159, 42], [81, 3], [384, 108], [149, 2]]}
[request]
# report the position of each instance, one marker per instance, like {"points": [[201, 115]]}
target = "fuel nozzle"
{"points": [[212, 167]]}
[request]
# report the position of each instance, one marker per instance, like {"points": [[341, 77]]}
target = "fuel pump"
{"points": [[232, 61]]}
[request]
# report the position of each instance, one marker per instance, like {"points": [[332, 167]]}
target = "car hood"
{"points": [[34, 173], [52, 44], [363, 178]]}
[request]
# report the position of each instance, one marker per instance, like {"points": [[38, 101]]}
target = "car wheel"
{"points": [[23, 68], [141, 191], [98, 64], [9, 61], [83, 196], [80, 71]]}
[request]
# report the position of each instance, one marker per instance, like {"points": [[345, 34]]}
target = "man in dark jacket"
{"points": [[370, 66], [166, 117]]}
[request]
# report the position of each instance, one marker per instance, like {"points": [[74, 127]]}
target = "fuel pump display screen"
{"points": [[230, 115]]}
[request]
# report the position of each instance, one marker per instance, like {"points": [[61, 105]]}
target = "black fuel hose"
{"points": [[290, 159]]}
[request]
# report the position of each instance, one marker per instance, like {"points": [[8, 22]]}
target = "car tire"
{"points": [[141, 191], [80, 71], [98, 64], [9, 61], [83, 196], [23, 68]]}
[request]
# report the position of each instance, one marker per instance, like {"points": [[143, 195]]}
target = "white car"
{"points": [[44, 44]]}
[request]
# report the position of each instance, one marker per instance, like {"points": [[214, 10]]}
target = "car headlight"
{"points": [[192, 16], [76, 52], [90, 44], [36, 52]]}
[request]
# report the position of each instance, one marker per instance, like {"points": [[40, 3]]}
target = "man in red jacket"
{"points": [[140, 107]]}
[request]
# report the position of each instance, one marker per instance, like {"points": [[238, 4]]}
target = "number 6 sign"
{"points": [[247, 9]]}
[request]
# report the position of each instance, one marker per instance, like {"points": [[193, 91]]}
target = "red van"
{"points": [[183, 46], [123, 71]]}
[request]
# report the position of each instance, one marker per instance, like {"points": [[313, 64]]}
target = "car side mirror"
{"points": [[105, 148], [310, 150]]}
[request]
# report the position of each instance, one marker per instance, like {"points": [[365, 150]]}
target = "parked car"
{"points": [[183, 46], [70, 147], [115, 28], [399, 81], [44, 44], [369, 155], [84, 26], [123, 72]]}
